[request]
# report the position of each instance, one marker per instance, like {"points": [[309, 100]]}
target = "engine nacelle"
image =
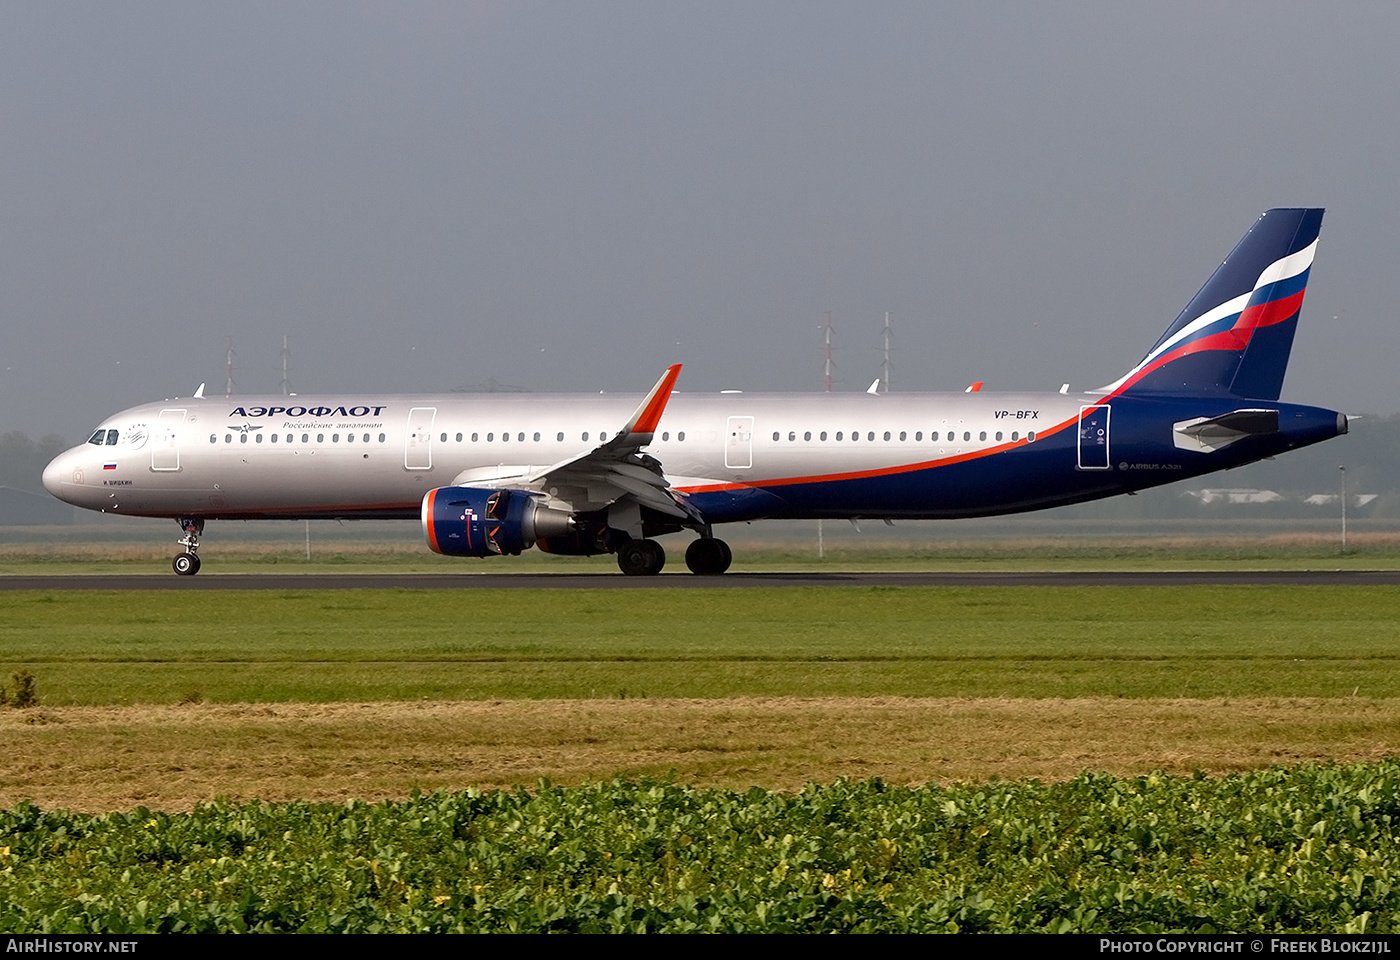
{"points": [[475, 522]]}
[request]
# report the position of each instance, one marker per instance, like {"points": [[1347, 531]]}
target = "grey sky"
{"points": [[572, 195]]}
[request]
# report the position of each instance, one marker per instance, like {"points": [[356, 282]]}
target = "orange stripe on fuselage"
{"points": [[882, 471]]}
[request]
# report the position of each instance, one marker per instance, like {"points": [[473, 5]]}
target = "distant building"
{"points": [[21, 509], [1323, 499], [1235, 495]]}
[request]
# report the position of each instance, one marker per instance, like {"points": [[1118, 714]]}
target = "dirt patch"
{"points": [[172, 757]]}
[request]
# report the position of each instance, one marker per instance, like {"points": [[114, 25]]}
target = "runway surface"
{"points": [[591, 581]]}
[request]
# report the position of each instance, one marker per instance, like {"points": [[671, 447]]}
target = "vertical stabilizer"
{"points": [[1235, 335]]}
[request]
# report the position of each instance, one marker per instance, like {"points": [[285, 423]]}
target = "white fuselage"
{"points": [[358, 456]]}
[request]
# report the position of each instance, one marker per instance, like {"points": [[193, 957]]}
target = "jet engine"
{"points": [[475, 522]]}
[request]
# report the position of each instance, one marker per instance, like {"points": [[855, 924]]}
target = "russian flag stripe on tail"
{"points": [[1235, 335]]}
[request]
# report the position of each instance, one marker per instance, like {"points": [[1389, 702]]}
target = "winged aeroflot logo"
{"points": [[136, 436]]}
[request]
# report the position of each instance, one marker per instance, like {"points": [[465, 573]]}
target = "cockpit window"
{"points": [[98, 438], [111, 438]]}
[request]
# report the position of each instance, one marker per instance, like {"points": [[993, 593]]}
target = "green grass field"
{"points": [[295, 645], [122, 545]]}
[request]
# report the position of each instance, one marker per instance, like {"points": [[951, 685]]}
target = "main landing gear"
{"points": [[641, 558], [706, 557], [187, 564]]}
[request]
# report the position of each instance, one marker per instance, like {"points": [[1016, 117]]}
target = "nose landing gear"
{"points": [[187, 564]]}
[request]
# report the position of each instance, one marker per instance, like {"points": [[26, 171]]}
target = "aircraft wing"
{"points": [[617, 469]]}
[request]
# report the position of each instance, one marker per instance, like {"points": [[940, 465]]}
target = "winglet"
{"points": [[648, 415], [976, 387]]}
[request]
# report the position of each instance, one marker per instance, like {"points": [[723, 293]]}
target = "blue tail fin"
{"points": [[1234, 336]]}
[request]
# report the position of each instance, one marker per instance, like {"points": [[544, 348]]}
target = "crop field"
{"points": [[315, 729], [1309, 849]]}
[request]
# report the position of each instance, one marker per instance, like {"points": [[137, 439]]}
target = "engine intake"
{"points": [[476, 522]]}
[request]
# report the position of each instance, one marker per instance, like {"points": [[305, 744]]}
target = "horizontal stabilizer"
{"points": [[1208, 434]]}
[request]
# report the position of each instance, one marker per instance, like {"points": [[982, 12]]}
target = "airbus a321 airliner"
{"points": [[606, 474]]}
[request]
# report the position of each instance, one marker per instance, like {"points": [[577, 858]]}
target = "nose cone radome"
{"points": [[58, 470]]}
